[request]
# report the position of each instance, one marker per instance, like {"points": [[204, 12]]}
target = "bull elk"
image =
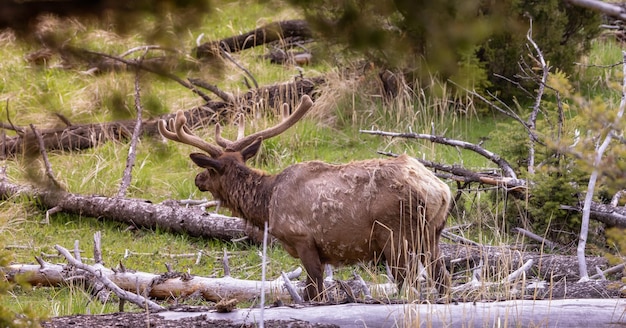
{"points": [[322, 213]]}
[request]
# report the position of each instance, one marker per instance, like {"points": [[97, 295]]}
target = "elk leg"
{"points": [[396, 261], [313, 265], [440, 274]]}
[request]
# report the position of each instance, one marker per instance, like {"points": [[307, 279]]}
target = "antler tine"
{"points": [[241, 128], [285, 113], [225, 143], [179, 132], [305, 104], [221, 141]]}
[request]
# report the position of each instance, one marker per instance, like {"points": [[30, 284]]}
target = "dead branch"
{"points": [[612, 9], [100, 276], [149, 68], [501, 162], [132, 153], [551, 245], [46, 161], [532, 119], [225, 96], [135, 212], [461, 174]]}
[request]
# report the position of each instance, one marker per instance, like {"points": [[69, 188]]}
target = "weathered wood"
{"points": [[142, 213], [515, 313], [611, 215], [84, 136], [154, 285], [290, 29]]}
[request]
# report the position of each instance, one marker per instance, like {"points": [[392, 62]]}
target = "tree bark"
{"points": [[515, 313], [295, 30], [136, 212], [154, 285], [84, 136]]}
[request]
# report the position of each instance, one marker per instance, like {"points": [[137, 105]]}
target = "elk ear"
{"points": [[207, 162], [252, 149]]}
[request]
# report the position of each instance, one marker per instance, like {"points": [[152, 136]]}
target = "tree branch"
{"points": [[501, 162]]}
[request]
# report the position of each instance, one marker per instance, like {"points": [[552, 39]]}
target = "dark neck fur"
{"points": [[248, 193]]}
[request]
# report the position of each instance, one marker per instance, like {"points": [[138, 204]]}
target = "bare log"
{"points": [[516, 313], [142, 213], [84, 136], [614, 216], [294, 30], [154, 285]]}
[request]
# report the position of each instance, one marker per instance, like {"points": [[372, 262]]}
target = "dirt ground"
{"points": [[133, 320]]}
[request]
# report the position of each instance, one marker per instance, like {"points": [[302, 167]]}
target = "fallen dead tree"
{"points": [[155, 286], [514, 313], [125, 283], [135, 212], [296, 30], [82, 136]]}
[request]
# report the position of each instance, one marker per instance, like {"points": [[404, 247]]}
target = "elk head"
{"points": [[226, 154]]}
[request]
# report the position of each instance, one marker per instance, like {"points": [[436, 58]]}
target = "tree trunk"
{"points": [[515, 313], [136, 212], [153, 285], [294, 30], [83, 136]]}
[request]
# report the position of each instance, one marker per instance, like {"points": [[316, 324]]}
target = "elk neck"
{"points": [[248, 193]]}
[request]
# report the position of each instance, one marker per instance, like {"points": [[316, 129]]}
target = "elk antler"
{"points": [[288, 120], [178, 131]]}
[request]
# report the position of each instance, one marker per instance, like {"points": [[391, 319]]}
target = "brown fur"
{"points": [[338, 214], [391, 209]]}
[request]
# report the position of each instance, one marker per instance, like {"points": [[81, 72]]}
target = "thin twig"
{"points": [[131, 297], [552, 245], [132, 153], [155, 71], [148, 47], [227, 97], [263, 272], [44, 156], [19, 130], [229, 57]]}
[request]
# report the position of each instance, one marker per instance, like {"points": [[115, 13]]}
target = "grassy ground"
{"points": [[163, 170]]}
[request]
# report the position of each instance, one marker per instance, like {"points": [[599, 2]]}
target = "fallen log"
{"points": [[293, 30], [514, 313], [156, 286], [83, 136], [136, 212]]}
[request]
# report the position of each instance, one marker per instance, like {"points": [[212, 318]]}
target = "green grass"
{"points": [[164, 171]]}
